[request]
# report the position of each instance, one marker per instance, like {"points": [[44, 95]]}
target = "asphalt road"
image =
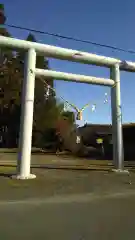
{"points": [[73, 217]]}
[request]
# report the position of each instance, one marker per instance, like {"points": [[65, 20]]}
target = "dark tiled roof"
{"points": [[101, 128]]}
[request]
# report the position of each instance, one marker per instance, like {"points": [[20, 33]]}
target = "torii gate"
{"points": [[115, 65]]}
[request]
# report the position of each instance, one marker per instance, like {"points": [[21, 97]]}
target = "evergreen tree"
{"points": [[47, 110]]}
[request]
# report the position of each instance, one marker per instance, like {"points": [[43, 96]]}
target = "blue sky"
{"points": [[103, 21]]}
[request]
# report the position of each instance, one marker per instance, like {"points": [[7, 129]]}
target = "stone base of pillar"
{"points": [[121, 171], [22, 177]]}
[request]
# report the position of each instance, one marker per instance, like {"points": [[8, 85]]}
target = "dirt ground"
{"points": [[55, 181]]}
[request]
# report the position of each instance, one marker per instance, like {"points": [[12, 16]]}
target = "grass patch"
{"points": [[7, 169], [15, 150]]}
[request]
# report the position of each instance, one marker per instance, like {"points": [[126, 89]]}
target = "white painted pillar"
{"points": [[25, 141], [118, 153], [113, 104]]}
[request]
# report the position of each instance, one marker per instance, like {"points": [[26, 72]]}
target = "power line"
{"points": [[71, 38]]}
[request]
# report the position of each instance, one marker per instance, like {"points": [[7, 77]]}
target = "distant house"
{"points": [[90, 132]]}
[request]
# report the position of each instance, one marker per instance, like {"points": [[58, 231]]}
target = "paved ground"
{"points": [[97, 219], [69, 219], [69, 205]]}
